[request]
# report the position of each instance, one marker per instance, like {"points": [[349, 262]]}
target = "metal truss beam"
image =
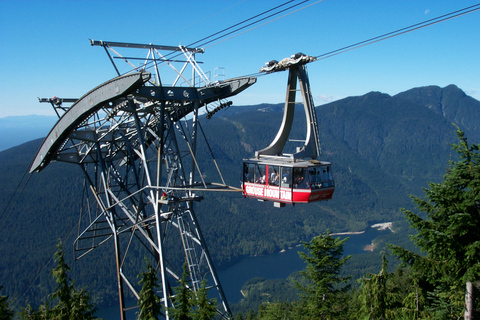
{"points": [[140, 167]]}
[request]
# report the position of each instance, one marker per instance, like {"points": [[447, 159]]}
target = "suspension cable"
{"points": [[401, 31], [414, 27], [11, 199], [239, 23], [267, 22], [211, 153], [255, 22], [173, 55]]}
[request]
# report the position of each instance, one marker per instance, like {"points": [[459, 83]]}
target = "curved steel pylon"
{"points": [[140, 167]]}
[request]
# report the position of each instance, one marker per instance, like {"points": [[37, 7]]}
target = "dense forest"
{"points": [[441, 283], [382, 148]]}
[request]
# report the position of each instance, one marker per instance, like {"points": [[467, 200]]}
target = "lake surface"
{"points": [[280, 265], [273, 266]]}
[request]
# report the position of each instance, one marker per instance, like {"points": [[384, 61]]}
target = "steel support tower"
{"points": [[135, 141]]}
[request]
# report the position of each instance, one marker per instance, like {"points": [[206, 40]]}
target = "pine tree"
{"points": [[29, 313], [150, 306], [239, 316], [449, 233], [205, 309], [63, 291], [251, 315], [280, 311], [374, 294], [323, 285], [71, 303], [5, 312], [183, 298]]}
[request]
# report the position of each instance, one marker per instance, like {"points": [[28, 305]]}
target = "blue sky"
{"points": [[45, 49]]}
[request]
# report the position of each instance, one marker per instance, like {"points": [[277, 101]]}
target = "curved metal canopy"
{"points": [[81, 110], [111, 95]]}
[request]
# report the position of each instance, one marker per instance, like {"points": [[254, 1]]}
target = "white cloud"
{"points": [[323, 99]]}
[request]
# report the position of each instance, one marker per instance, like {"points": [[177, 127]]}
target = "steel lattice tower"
{"points": [[130, 138]]}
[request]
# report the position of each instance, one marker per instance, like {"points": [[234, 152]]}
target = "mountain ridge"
{"points": [[381, 147]]}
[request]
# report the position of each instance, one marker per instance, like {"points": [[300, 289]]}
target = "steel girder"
{"points": [[124, 136]]}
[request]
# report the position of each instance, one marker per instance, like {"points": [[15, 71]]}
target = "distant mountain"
{"points": [[381, 147], [20, 129], [450, 102]]}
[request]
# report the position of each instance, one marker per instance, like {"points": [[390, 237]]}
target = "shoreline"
{"points": [[369, 247], [347, 233], [381, 227]]}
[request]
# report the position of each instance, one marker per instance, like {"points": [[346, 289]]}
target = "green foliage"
{"points": [[373, 294], [204, 308], [65, 302], [29, 313], [258, 291], [71, 303], [379, 296], [5, 312], [281, 311], [150, 305], [192, 305], [449, 234], [322, 283], [182, 303], [64, 291]]}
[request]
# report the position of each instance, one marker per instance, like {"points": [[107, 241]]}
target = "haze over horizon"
{"points": [[16, 130]]}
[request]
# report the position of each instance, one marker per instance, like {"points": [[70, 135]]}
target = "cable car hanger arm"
{"points": [[297, 71]]}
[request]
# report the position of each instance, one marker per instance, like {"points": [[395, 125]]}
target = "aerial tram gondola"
{"points": [[290, 178]]}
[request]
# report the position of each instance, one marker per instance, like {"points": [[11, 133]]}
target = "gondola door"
{"points": [[286, 184], [301, 185], [272, 190]]}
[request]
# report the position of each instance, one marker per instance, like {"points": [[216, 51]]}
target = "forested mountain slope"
{"points": [[450, 102], [381, 147]]}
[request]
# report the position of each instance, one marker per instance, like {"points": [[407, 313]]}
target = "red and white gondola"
{"points": [[288, 182], [290, 178]]}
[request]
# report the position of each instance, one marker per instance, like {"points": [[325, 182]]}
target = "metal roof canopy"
{"points": [[81, 109], [180, 102]]}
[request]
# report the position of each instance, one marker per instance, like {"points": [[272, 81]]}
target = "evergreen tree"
{"points": [[205, 309], [322, 288], [411, 297], [29, 313], [192, 305], [449, 233], [64, 290], [280, 311], [150, 306], [183, 298], [374, 294], [71, 303], [251, 315], [5, 312]]}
